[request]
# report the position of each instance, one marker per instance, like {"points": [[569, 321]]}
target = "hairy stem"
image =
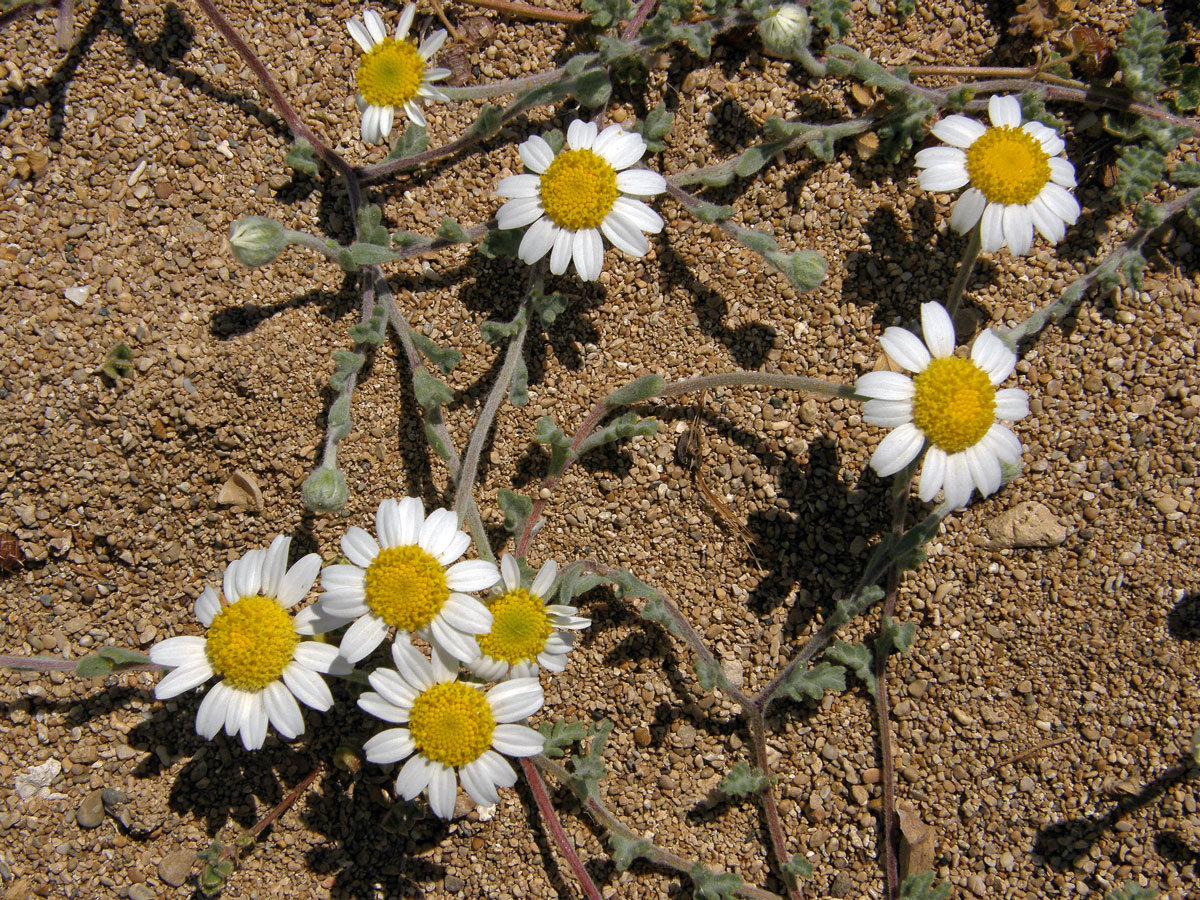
{"points": [[965, 268], [534, 779], [758, 380], [525, 11], [639, 19], [758, 739]]}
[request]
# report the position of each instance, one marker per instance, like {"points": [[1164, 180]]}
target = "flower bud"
{"points": [[256, 240], [785, 32], [325, 490]]}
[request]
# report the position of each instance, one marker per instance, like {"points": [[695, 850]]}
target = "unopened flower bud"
{"points": [[256, 240], [325, 490], [785, 32]]}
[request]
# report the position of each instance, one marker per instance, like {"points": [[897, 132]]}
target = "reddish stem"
{"points": [[550, 817]]}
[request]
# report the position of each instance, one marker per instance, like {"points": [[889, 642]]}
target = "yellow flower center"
{"points": [[451, 723], [406, 587], [955, 404], [520, 627], [251, 642], [1009, 165], [390, 73], [578, 190]]}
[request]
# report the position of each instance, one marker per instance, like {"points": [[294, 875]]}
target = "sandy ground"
{"points": [[122, 163]]}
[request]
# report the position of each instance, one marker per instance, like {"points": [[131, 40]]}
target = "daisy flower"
{"points": [[523, 635], [404, 581], [254, 647], [950, 405], [585, 190], [1018, 178], [454, 729], [394, 72]]}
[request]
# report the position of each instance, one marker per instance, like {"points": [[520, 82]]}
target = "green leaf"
{"points": [[655, 127], [805, 269], [574, 581], [371, 332], [857, 659], [496, 332], [556, 139], [623, 426], [1140, 55], [407, 239], [560, 445], [592, 88], [655, 610], [121, 658], [414, 139], [360, 254], [758, 241], [644, 388], [1131, 890], [497, 243], [717, 179], [487, 123], [804, 683], [743, 780], [858, 603], [548, 306], [516, 508], [1186, 173], [370, 231], [118, 362], [450, 230], [711, 212], [626, 850], [435, 440], [430, 392], [709, 885], [798, 867], [603, 13], [1132, 267], [518, 391], [301, 157], [589, 768], [709, 674], [751, 160], [833, 16], [560, 735], [445, 358], [93, 666], [918, 886], [897, 635]]}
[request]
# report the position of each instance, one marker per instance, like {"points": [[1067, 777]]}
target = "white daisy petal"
{"points": [[415, 114], [275, 565], [489, 669], [254, 723], [387, 523], [412, 665], [984, 468], [1002, 442], [1012, 404], [551, 662], [991, 228], [544, 580], [510, 572], [1062, 172], [282, 710], [313, 620], [184, 650], [967, 210], [374, 23], [297, 581], [609, 137], [581, 135], [885, 386], [183, 679], [1051, 143], [887, 413], [360, 548], [361, 36], [392, 688], [235, 711], [536, 154], [625, 236], [518, 186], [438, 531], [958, 484], [900, 447], [343, 577], [307, 686], [947, 157], [370, 133], [414, 777], [587, 250], [208, 604], [412, 517], [519, 212], [937, 329], [210, 717], [959, 131], [476, 782], [443, 789], [466, 614], [625, 150], [499, 770], [516, 699], [990, 354], [248, 580], [1004, 111], [458, 644], [406, 20], [362, 637], [1061, 202], [1018, 229], [933, 473], [560, 256], [445, 667], [389, 746], [641, 182], [1049, 226], [372, 704], [906, 349], [458, 545], [944, 176], [386, 119], [538, 241], [517, 740], [432, 44], [637, 214], [317, 656]]}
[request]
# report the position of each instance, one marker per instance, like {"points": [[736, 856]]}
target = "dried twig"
{"points": [[1032, 751]]}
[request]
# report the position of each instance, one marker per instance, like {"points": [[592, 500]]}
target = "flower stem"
{"points": [[638, 20], [758, 739], [542, 797], [525, 11], [965, 268], [758, 379]]}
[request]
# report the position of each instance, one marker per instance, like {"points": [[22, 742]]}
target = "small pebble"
{"points": [[175, 867], [453, 884], [91, 810], [140, 892]]}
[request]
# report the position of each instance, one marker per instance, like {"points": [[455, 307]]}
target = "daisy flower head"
{"points": [[527, 632], [950, 404], [587, 189], [394, 73], [455, 731], [254, 647], [1019, 180], [407, 580]]}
